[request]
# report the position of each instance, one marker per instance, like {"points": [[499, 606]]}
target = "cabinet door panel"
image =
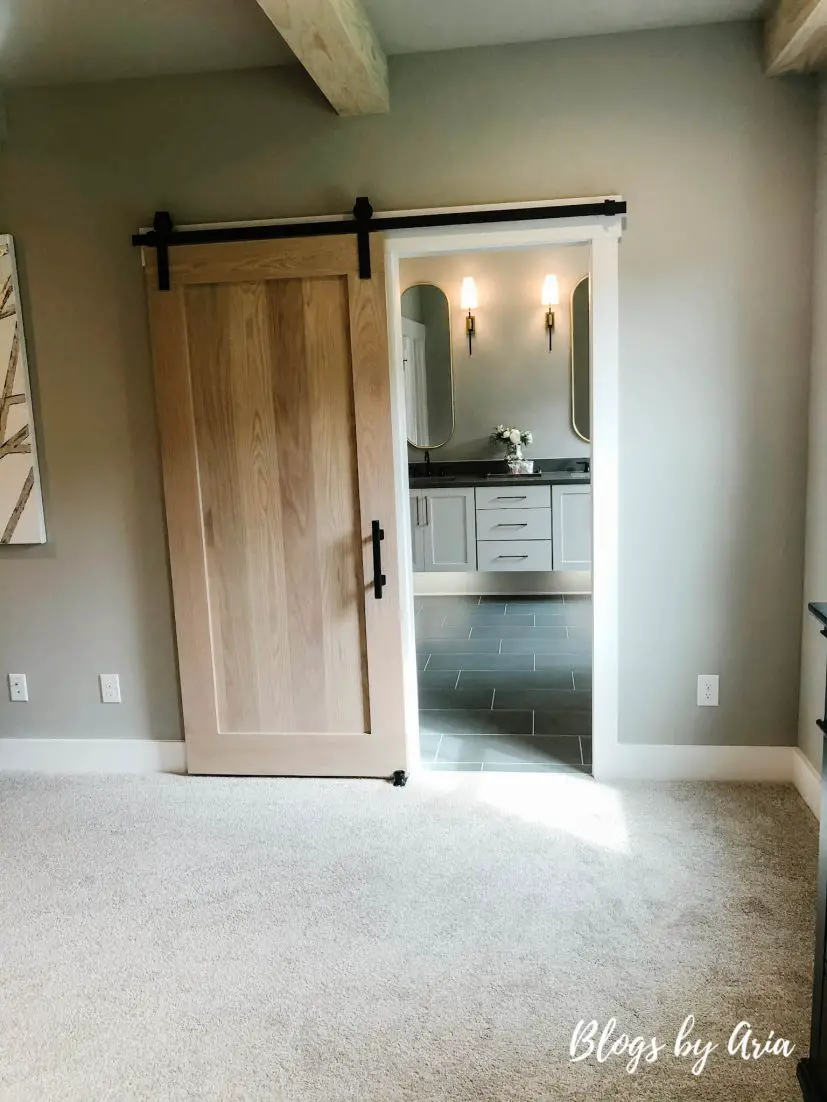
{"points": [[450, 530], [572, 527]]}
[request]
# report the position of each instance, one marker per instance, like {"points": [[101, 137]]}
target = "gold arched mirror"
{"points": [[581, 359], [429, 366]]}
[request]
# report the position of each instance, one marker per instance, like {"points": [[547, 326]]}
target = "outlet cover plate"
{"points": [[708, 690], [110, 688], [18, 687]]}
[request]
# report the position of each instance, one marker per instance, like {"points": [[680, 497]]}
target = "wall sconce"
{"points": [[468, 301], [551, 297]]}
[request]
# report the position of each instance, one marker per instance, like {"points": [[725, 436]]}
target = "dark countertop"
{"points": [[819, 610], [465, 481]]}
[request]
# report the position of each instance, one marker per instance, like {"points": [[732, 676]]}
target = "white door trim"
{"points": [[603, 237], [613, 760], [807, 780]]}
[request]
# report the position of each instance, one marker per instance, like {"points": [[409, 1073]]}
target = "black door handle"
{"points": [[379, 579]]}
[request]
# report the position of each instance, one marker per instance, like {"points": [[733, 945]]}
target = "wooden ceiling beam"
{"points": [[336, 43], [797, 37]]}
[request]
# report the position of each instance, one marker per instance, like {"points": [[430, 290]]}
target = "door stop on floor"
{"points": [[400, 778]]}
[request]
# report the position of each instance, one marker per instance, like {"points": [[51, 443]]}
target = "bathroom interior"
{"points": [[497, 365]]}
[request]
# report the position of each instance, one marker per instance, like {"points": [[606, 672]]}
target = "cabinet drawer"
{"points": [[514, 497], [514, 555], [514, 524]]}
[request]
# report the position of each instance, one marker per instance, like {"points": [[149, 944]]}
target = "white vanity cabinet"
{"points": [[572, 527], [443, 529], [502, 528]]}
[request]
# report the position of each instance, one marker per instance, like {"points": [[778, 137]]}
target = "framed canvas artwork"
{"points": [[21, 502]]}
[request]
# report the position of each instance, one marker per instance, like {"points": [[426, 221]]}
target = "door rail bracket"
{"points": [[363, 212]]}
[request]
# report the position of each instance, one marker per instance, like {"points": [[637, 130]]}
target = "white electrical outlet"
{"points": [[708, 690], [110, 688], [18, 689]]}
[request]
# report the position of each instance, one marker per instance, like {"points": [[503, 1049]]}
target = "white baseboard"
{"points": [[807, 780], [768, 764], [628, 762], [745, 764], [514, 583], [91, 755]]}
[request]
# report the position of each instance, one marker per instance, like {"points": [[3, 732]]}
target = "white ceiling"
{"points": [[51, 41], [408, 26]]}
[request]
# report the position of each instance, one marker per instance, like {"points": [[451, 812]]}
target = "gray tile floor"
{"points": [[505, 683]]}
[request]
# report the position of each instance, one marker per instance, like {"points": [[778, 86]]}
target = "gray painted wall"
{"points": [[718, 166], [814, 646], [510, 377]]}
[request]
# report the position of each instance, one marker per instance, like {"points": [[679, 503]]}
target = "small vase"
{"points": [[515, 462]]}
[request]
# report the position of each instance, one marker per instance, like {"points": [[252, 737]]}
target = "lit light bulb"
{"points": [[551, 291], [551, 298], [468, 298]]}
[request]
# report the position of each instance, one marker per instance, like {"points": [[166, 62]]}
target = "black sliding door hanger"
{"points": [[163, 236]]}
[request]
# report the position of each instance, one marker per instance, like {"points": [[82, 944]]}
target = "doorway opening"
{"points": [[502, 669], [501, 560]]}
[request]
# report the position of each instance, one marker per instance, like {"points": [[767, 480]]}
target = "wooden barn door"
{"points": [[273, 391]]}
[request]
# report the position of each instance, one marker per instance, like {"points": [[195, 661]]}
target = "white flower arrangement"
{"points": [[507, 434]]}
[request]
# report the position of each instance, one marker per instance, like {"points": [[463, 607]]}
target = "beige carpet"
{"points": [[174, 938]]}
